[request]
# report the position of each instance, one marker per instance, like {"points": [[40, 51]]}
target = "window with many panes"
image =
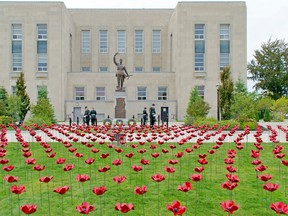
{"points": [[79, 93], [85, 41], [138, 69], [162, 93], [103, 69], [42, 47], [16, 47], [13, 89], [156, 41], [156, 69], [141, 93], [201, 92], [199, 40], [100, 93], [224, 45], [121, 41], [138, 41], [103, 41]]}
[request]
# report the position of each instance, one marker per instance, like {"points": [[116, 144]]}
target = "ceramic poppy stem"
{"points": [[18, 203], [83, 191], [158, 201], [71, 187], [48, 199], [62, 205], [32, 184], [143, 205], [100, 205], [40, 190]]}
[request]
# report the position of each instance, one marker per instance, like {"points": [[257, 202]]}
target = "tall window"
{"points": [[121, 41], [14, 89], [199, 39], [79, 93], [139, 41], [85, 41], [156, 41], [16, 47], [141, 93], [103, 40], [100, 93], [162, 93], [201, 92], [42, 48], [224, 45]]}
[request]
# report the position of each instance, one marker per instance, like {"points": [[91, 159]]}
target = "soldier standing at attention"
{"points": [[93, 114], [152, 115], [86, 116], [145, 115]]}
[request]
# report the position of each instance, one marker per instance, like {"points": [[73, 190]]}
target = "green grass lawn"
{"points": [[204, 199]]}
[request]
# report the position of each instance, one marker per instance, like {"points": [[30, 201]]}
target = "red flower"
{"points": [[68, 167], [28, 209], [165, 151], [261, 168], [173, 162], [179, 155], [94, 150], [265, 177], [72, 150], [284, 162], [256, 162], [255, 154], [51, 155], [8, 168], [38, 167], [157, 177], [279, 208], [230, 169], [270, 186], [176, 208], [17, 189], [46, 179], [85, 208], [104, 155], [185, 187], [202, 161], [124, 207], [232, 178], [82, 178], [228, 185], [169, 169], [89, 161], [141, 151], [144, 162], [61, 190], [195, 177], [30, 161], [228, 161], [60, 160], [212, 151], [140, 191], [202, 156], [118, 150], [188, 150], [10, 179], [199, 169], [229, 206], [27, 154], [119, 179], [129, 155], [4, 161], [104, 169], [100, 190], [78, 155], [117, 162], [155, 154], [136, 168]]}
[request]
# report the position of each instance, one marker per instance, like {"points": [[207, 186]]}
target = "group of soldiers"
{"points": [[152, 115], [90, 115]]}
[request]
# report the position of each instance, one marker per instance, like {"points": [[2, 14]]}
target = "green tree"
{"points": [[14, 106], [3, 101], [280, 106], [226, 93], [262, 104], [23, 96], [240, 87], [269, 68], [197, 107]]}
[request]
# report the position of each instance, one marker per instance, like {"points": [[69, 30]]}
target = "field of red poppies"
{"points": [[137, 170]]}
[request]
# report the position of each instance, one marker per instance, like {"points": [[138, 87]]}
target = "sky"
{"points": [[265, 18]]}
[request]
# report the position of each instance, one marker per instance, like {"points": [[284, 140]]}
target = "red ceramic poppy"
{"points": [[230, 169], [38, 167], [199, 169], [261, 168], [270, 186], [30, 161], [8, 168], [99, 190], [72, 150], [68, 167], [144, 162], [155, 154], [169, 169], [140, 190], [85, 208], [158, 177], [4, 161], [10, 179], [103, 156], [28, 209], [265, 177], [141, 151], [229, 206], [60, 160], [228, 185], [256, 162], [104, 169], [284, 162], [279, 207], [17, 189], [228, 161], [89, 161], [129, 155], [46, 179], [124, 207], [202, 161], [185, 187], [117, 162], [176, 208], [119, 179], [78, 155], [136, 168], [61, 190], [165, 151], [195, 177], [179, 155], [232, 178], [94, 150], [82, 178], [173, 162]]}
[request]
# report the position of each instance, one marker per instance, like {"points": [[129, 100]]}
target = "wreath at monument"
{"points": [[131, 122], [119, 122], [107, 122]]}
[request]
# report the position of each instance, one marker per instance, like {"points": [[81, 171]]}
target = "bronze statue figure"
{"points": [[120, 72]]}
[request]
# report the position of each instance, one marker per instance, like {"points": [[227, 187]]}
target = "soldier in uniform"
{"points": [[145, 116], [120, 72], [86, 116], [93, 114], [152, 115]]}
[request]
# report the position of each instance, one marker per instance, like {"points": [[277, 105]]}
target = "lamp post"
{"points": [[218, 103]]}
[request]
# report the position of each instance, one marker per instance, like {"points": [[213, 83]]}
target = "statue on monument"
{"points": [[121, 73]]}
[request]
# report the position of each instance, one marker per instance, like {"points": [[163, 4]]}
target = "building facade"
{"points": [[167, 51]]}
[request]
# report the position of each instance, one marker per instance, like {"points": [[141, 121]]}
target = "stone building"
{"points": [[167, 51]]}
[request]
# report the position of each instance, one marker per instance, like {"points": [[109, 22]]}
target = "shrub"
{"points": [[267, 117], [5, 120]]}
